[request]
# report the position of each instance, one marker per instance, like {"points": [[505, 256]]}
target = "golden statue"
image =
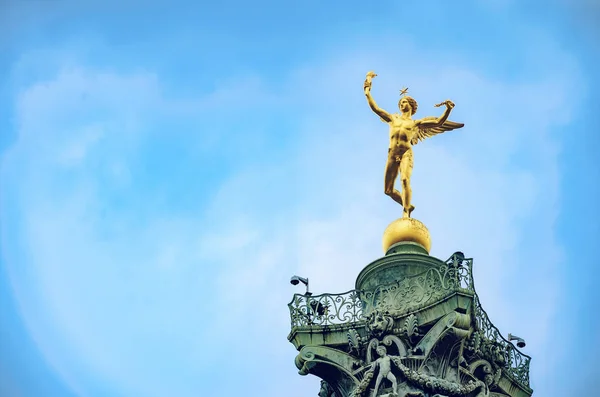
{"points": [[405, 132]]}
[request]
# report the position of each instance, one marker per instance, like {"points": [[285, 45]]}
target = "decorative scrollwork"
{"points": [[326, 309], [460, 269], [415, 291], [406, 295], [489, 342]]}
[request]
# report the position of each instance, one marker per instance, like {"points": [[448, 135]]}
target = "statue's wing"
{"points": [[426, 132]]}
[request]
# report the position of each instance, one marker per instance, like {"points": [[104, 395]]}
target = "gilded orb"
{"points": [[406, 229]]}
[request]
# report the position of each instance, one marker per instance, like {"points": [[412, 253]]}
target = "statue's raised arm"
{"points": [[430, 126], [385, 116]]}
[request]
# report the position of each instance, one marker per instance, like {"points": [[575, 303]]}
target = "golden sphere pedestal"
{"points": [[406, 230]]}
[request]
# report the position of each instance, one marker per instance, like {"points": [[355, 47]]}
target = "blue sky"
{"points": [[167, 166]]}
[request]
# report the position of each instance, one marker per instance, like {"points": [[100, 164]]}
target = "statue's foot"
{"points": [[408, 211]]}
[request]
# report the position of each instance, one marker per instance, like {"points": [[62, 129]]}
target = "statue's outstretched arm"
{"points": [[385, 116], [437, 122], [374, 365]]}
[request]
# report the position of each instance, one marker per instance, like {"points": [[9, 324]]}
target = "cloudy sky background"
{"points": [[167, 166]]}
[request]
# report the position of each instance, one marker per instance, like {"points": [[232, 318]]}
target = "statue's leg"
{"points": [[406, 166], [391, 173], [377, 383], [392, 378]]}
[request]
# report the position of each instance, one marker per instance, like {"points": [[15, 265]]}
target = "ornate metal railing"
{"points": [[460, 269], [516, 363], [326, 309], [409, 293]]}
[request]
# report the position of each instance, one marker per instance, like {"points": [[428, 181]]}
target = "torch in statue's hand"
{"points": [[369, 79], [449, 104]]}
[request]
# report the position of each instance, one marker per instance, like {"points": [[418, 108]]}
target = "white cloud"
{"points": [[198, 288]]}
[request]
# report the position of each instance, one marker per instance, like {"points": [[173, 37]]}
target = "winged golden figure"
{"points": [[404, 133]]}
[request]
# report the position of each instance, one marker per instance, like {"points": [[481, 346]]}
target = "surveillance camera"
{"points": [[295, 280], [520, 341]]}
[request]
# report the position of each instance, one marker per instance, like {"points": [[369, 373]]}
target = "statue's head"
{"points": [[488, 379], [407, 104], [381, 350], [325, 390]]}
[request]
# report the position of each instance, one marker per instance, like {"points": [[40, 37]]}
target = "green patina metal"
{"points": [[438, 341]]}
